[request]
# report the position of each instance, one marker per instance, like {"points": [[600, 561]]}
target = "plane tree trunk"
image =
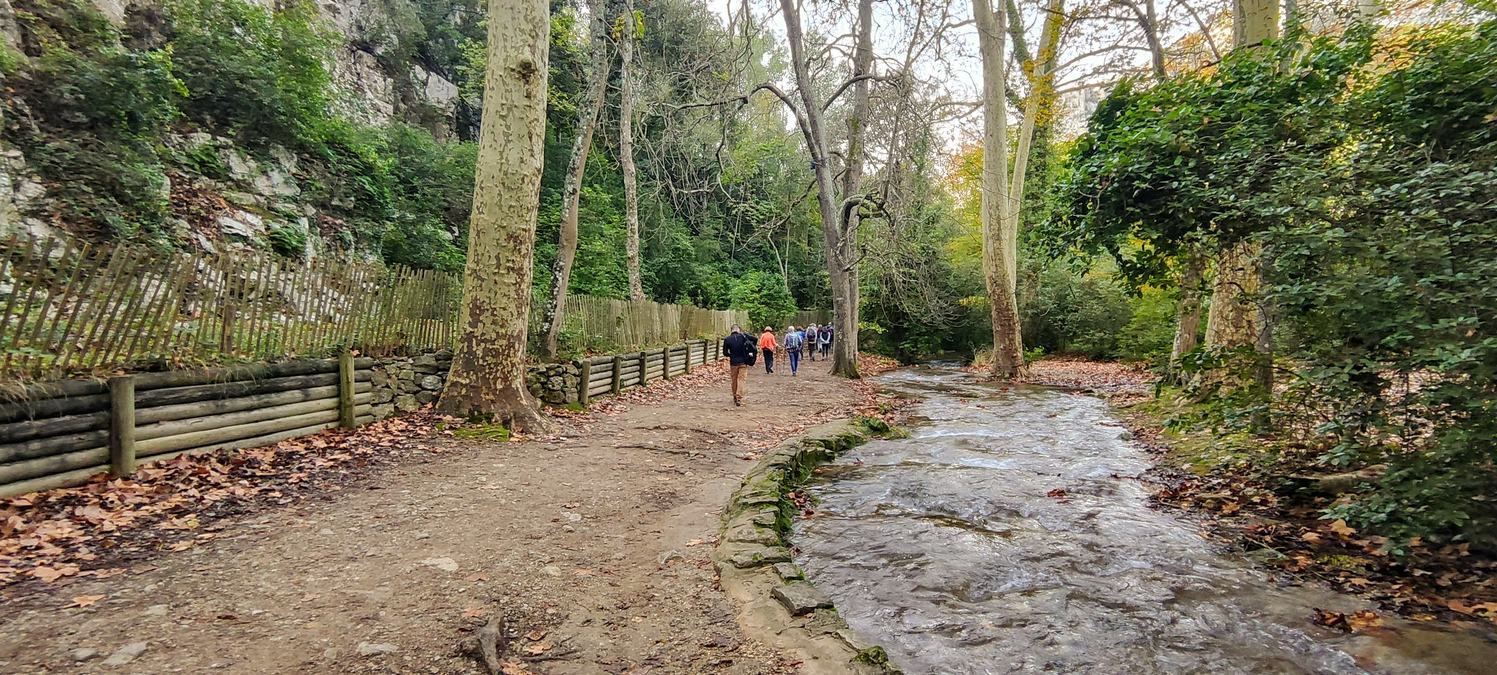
{"points": [[487, 379]]}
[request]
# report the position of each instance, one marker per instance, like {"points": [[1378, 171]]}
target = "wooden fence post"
{"points": [[587, 376], [618, 374], [643, 359], [665, 358], [688, 357], [121, 425], [345, 389]]}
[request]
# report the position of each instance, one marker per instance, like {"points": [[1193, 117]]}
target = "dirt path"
{"points": [[593, 544]]}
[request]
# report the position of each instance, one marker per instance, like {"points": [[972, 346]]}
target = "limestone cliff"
{"points": [[203, 181]]}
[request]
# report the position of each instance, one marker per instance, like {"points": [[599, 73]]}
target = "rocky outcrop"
{"points": [[368, 28], [262, 204], [21, 194]]}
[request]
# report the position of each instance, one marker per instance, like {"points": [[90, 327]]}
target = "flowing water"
{"points": [[947, 549]]}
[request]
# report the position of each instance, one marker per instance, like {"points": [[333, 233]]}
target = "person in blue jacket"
{"points": [[795, 340]]}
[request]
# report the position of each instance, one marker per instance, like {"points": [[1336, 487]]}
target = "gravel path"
{"points": [[592, 545]]}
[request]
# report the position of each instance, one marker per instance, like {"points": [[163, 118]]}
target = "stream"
{"points": [[948, 549]]}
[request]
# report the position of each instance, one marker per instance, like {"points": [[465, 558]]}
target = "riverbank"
{"points": [[1274, 518], [778, 605], [592, 547]]}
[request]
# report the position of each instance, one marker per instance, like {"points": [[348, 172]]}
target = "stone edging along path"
{"points": [[778, 605]]}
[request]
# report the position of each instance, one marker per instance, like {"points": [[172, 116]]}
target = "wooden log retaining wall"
{"points": [[63, 433]]}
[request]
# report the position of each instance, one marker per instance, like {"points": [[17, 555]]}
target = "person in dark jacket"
{"points": [[741, 352]]}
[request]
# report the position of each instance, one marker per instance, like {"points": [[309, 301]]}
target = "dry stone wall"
{"points": [[403, 384]]}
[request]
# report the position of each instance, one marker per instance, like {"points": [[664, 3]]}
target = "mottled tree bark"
{"points": [[571, 187], [488, 369], [1232, 321], [1188, 311], [997, 256], [627, 35]]}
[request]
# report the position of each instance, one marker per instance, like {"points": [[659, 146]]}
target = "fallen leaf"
{"points": [[85, 600], [1341, 529], [537, 648], [475, 613], [1331, 619], [1364, 620], [51, 574]]}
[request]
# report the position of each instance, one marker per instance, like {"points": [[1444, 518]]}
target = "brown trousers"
{"points": [[737, 373]]}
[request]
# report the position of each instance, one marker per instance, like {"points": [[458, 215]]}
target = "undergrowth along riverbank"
{"points": [[1265, 500]]}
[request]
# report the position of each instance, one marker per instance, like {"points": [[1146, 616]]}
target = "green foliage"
{"points": [[94, 111], [1388, 290], [764, 297], [1199, 157], [1150, 333], [1065, 312], [289, 240], [100, 105], [431, 188], [1371, 186], [254, 73]]}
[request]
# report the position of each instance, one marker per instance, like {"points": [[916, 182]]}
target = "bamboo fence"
{"points": [[70, 307]]}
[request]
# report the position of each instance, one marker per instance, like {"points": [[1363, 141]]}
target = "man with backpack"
{"points": [[794, 341], [741, 352], [811, 342], [824, 337]]}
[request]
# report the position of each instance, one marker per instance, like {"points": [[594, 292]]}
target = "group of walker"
{"points": [[742, 351]]}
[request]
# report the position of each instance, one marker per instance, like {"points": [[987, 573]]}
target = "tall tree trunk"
{"points": [[1232, 321], [839, 260], [488, 369], [571, 187], [1188, 311], [628, 33], [1008, 348], [845, 344], [1040, 103]]}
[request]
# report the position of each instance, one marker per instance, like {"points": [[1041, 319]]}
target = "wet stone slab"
{"points": [[800, 598]]}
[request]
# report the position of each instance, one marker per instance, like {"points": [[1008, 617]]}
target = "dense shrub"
{"points": [[764, 297], [256, 74], [1371, 186], [1150, 333], [88, 113], [1067, 312]]}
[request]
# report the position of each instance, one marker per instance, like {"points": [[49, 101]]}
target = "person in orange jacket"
{"points": [[767, 345]]}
